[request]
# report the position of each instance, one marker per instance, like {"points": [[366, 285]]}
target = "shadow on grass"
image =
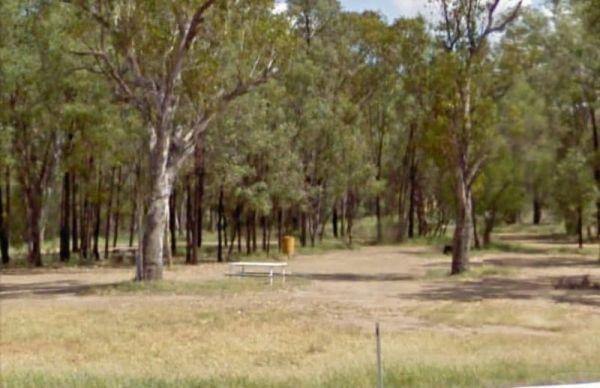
{"points": [[355, 277], [52, 288], [505, 288], [543, 262]]}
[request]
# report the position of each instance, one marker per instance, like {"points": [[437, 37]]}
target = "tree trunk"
{"points": [[33, 210], [160, 183], [596, 143], [412, 200], [200, 173], [263, 225], [84, 226], [475, 232], [303, 229], [580, 227], [279, 228], [220, 226], [65, 219], [248, 233], [4, 243], [378, 217], [74, 213], [350, 216], [464, 198], [537, 211], [95, 249], [334, 220], [190, 247], [118, 206], [462, 232], [167, 253], [173, 221], [490, 221], [135, 208], [109, 212], [254, 245]]}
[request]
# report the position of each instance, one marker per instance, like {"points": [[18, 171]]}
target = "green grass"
{"points": [[491, 375]]}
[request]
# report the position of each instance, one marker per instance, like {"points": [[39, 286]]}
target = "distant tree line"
{"points": [[149, 123]]}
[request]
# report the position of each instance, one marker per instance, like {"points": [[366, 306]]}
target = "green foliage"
{"points": [[574, 187]]}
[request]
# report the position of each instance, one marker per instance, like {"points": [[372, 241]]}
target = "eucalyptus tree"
{"points": [[464, 34], [34, 91], [179, 65], [5, 192], [527, 109], [574, 204]]}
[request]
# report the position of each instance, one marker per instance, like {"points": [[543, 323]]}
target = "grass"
{"points": [[205, 287], [541, 317], [476, 272], [500, 374], [187, 343], [196, 330]]}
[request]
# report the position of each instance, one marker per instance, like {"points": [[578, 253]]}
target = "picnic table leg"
{"points": [[271, 275], [283, 275], [243, 270]]}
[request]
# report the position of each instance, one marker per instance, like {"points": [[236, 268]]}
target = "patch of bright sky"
{"points": [[393, 9]]}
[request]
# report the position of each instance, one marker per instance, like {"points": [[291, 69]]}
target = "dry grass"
{"points": [[185, 341], [198, 329]]}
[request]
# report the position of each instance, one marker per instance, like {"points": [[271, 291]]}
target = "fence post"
{"points": [[379, 363]]}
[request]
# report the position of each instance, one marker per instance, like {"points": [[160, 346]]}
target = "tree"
{"points": [[464, 31], [163, 59], [33, 92], [573, 172]]}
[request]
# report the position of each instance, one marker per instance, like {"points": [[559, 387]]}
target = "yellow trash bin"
{"points": [[288, 245]]}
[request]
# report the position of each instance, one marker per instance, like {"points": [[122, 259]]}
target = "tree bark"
{"points": [[160, 184], [173, 221], [490, 221], [279, 228], [254, 245], [199, 199], [135, 206], [580, 227], [334, 220], [190, 247], [248, 233], [263, 225], [596, 143], [303, 229], [84, 226], [109, 212], [537, 211], [4, 243], [34, 217], [412, 200], [74, 213], [65, 219], [220, 226], [7, 218], [351, 208], [475, 231], [95, 247], [462, 232], [118, 206]]}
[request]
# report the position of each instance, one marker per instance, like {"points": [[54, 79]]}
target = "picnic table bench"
{"points": [[271, 266]]}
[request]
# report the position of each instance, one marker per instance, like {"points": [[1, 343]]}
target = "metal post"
{"points": [[379, 363]]}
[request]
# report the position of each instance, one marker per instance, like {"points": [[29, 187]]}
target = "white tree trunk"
{"points": [[161, 181]]}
